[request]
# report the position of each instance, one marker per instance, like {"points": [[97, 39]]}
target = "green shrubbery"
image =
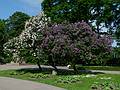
{"points": [[107, 85], [115, 57], [69, 79]]}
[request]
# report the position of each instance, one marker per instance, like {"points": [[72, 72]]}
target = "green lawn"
{"points": [[108, 68], [68, 81]]}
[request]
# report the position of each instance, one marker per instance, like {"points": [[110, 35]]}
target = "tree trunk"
{"points": [[52, 63], [75, 69], [38, 63], [55, 70]]}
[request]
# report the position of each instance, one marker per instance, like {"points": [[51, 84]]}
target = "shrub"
{"points": [[39, 75], [66, 43], [107, 85], [74, 43], [69, 79]]}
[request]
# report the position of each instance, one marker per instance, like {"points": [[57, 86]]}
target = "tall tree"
{"points": [[70, 10], [15, 23], [2, 39], [104, 13]]}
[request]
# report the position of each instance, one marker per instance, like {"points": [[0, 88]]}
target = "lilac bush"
{"points": [[74, 42], [70, 43]]}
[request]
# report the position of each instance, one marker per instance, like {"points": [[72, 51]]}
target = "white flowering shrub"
{"points": [[24, 45]]}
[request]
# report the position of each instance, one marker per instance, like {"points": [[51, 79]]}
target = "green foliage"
{"points": [[14, 73], [115, 57], [15, 24], [70, 10], [106, 85], [108, 68], [104, 13], [39, 76], [69, 79], [2, 30], [30, 75], [3, 39], [117, 35]]}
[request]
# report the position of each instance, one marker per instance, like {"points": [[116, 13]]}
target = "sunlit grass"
{"points": [[68, 81]]}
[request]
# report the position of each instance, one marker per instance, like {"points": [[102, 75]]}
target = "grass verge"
{"points": [[108, 68], [67, 81]]}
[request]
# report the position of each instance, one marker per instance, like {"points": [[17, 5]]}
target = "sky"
{"points": [[30, 7]]}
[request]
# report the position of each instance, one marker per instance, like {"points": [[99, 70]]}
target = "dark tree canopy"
{"points": [[2, 31], [105, 12], [3, 39], [15, 23], [60, 10]]}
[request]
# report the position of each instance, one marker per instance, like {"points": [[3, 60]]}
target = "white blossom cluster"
{"points": [[28, 37]]}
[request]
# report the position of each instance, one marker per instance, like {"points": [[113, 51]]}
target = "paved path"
{"points": [[101, 71], [16, 66], [16, 84], [107, 72], [9, 66]]}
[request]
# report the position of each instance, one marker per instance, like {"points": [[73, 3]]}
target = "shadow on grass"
{"points": [[60, 71]]}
